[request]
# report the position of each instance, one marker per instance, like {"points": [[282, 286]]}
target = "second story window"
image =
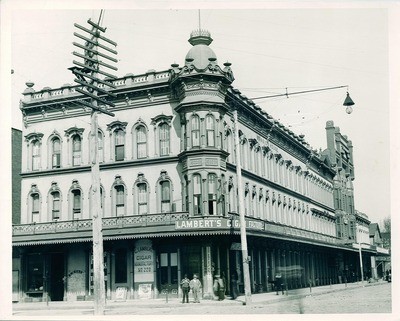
{"points": [[119, 145], [142, 198], [35, 207], [212, 194], [197, 199], [56, 153], [165, 196], [76, 204], [119, 200], [55, 205], [76, 150]]}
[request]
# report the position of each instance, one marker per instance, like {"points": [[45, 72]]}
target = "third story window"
{"points": [[119, 145]]}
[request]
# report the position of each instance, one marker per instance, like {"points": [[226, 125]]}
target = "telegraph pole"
{"points": [[87, 74], [243, 237]]}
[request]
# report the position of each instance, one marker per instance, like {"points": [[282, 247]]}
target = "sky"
{"points": [[271, 45], [270, 50]]}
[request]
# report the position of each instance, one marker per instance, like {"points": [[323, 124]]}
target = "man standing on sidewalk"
{"points": [[195, 286], [185, 285]]}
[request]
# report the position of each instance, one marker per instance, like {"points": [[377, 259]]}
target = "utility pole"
{"points": [[243, 237], [87, 75], [361, 263]]}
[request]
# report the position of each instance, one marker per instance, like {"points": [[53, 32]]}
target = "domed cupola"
{"points": [[201, 54]]}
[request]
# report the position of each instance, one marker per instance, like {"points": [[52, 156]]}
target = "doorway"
{"points": [[168, 274], [56, 277]]}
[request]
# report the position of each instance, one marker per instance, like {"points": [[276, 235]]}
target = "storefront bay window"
{"points": [[35, 268], [121, 268]]}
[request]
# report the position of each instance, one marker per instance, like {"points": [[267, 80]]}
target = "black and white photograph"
{"points": [[189, 159]]}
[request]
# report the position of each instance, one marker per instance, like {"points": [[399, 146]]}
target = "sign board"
{"points": [[121, 293], [143, 257], [214, 223], [144, 291]]}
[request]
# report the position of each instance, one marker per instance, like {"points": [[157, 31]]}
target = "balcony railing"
{"points": [[108, 223], [111, 224]]}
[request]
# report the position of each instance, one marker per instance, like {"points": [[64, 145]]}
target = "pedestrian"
{"points": [[219, 287], [223, 280], [234, 286], [195, 286], [185, 285], [278, 283]]}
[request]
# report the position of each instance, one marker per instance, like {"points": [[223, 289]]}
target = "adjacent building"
{"points": [[169, 190]]}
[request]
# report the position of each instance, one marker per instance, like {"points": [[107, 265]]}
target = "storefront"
{"points": [[152, 267]]}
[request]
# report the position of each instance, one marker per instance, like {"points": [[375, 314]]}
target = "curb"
{"points": [[176, 303]]}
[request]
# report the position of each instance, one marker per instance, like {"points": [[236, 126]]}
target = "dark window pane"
{"points": [[121, 266]]}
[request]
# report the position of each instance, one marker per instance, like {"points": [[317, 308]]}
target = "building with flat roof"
{"points": [[169, 191]]}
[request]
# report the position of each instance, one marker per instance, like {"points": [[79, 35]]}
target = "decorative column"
{"points": [[207, 273]]}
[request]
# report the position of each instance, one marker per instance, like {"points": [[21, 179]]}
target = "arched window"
{"points": [[210, 130], [141, 141], [212, 194], [35, 206], [142, 198], [197, 199], [76, 203], [56, 153], [229, 146], [76, 150], [119, 139], [35, 155], [55, 205], [195, 127], [165, 196], [164, 139], [100, 147], [247, 204], [245, 154], [119, 200], [232, 199]]}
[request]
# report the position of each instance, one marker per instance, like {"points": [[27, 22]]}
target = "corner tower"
{"points": [[199, 89]]}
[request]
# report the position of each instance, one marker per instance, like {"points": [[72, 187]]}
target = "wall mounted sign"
{"points": [[216, 223], [143, 257]]}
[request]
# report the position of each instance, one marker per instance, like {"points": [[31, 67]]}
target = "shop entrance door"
{"points": [[56, 290], [168, 274]]}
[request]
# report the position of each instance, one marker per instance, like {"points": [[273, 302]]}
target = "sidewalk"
{"points": [[257, 299]]}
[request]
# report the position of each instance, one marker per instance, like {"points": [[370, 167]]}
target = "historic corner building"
{"points": [[169, 190]]}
